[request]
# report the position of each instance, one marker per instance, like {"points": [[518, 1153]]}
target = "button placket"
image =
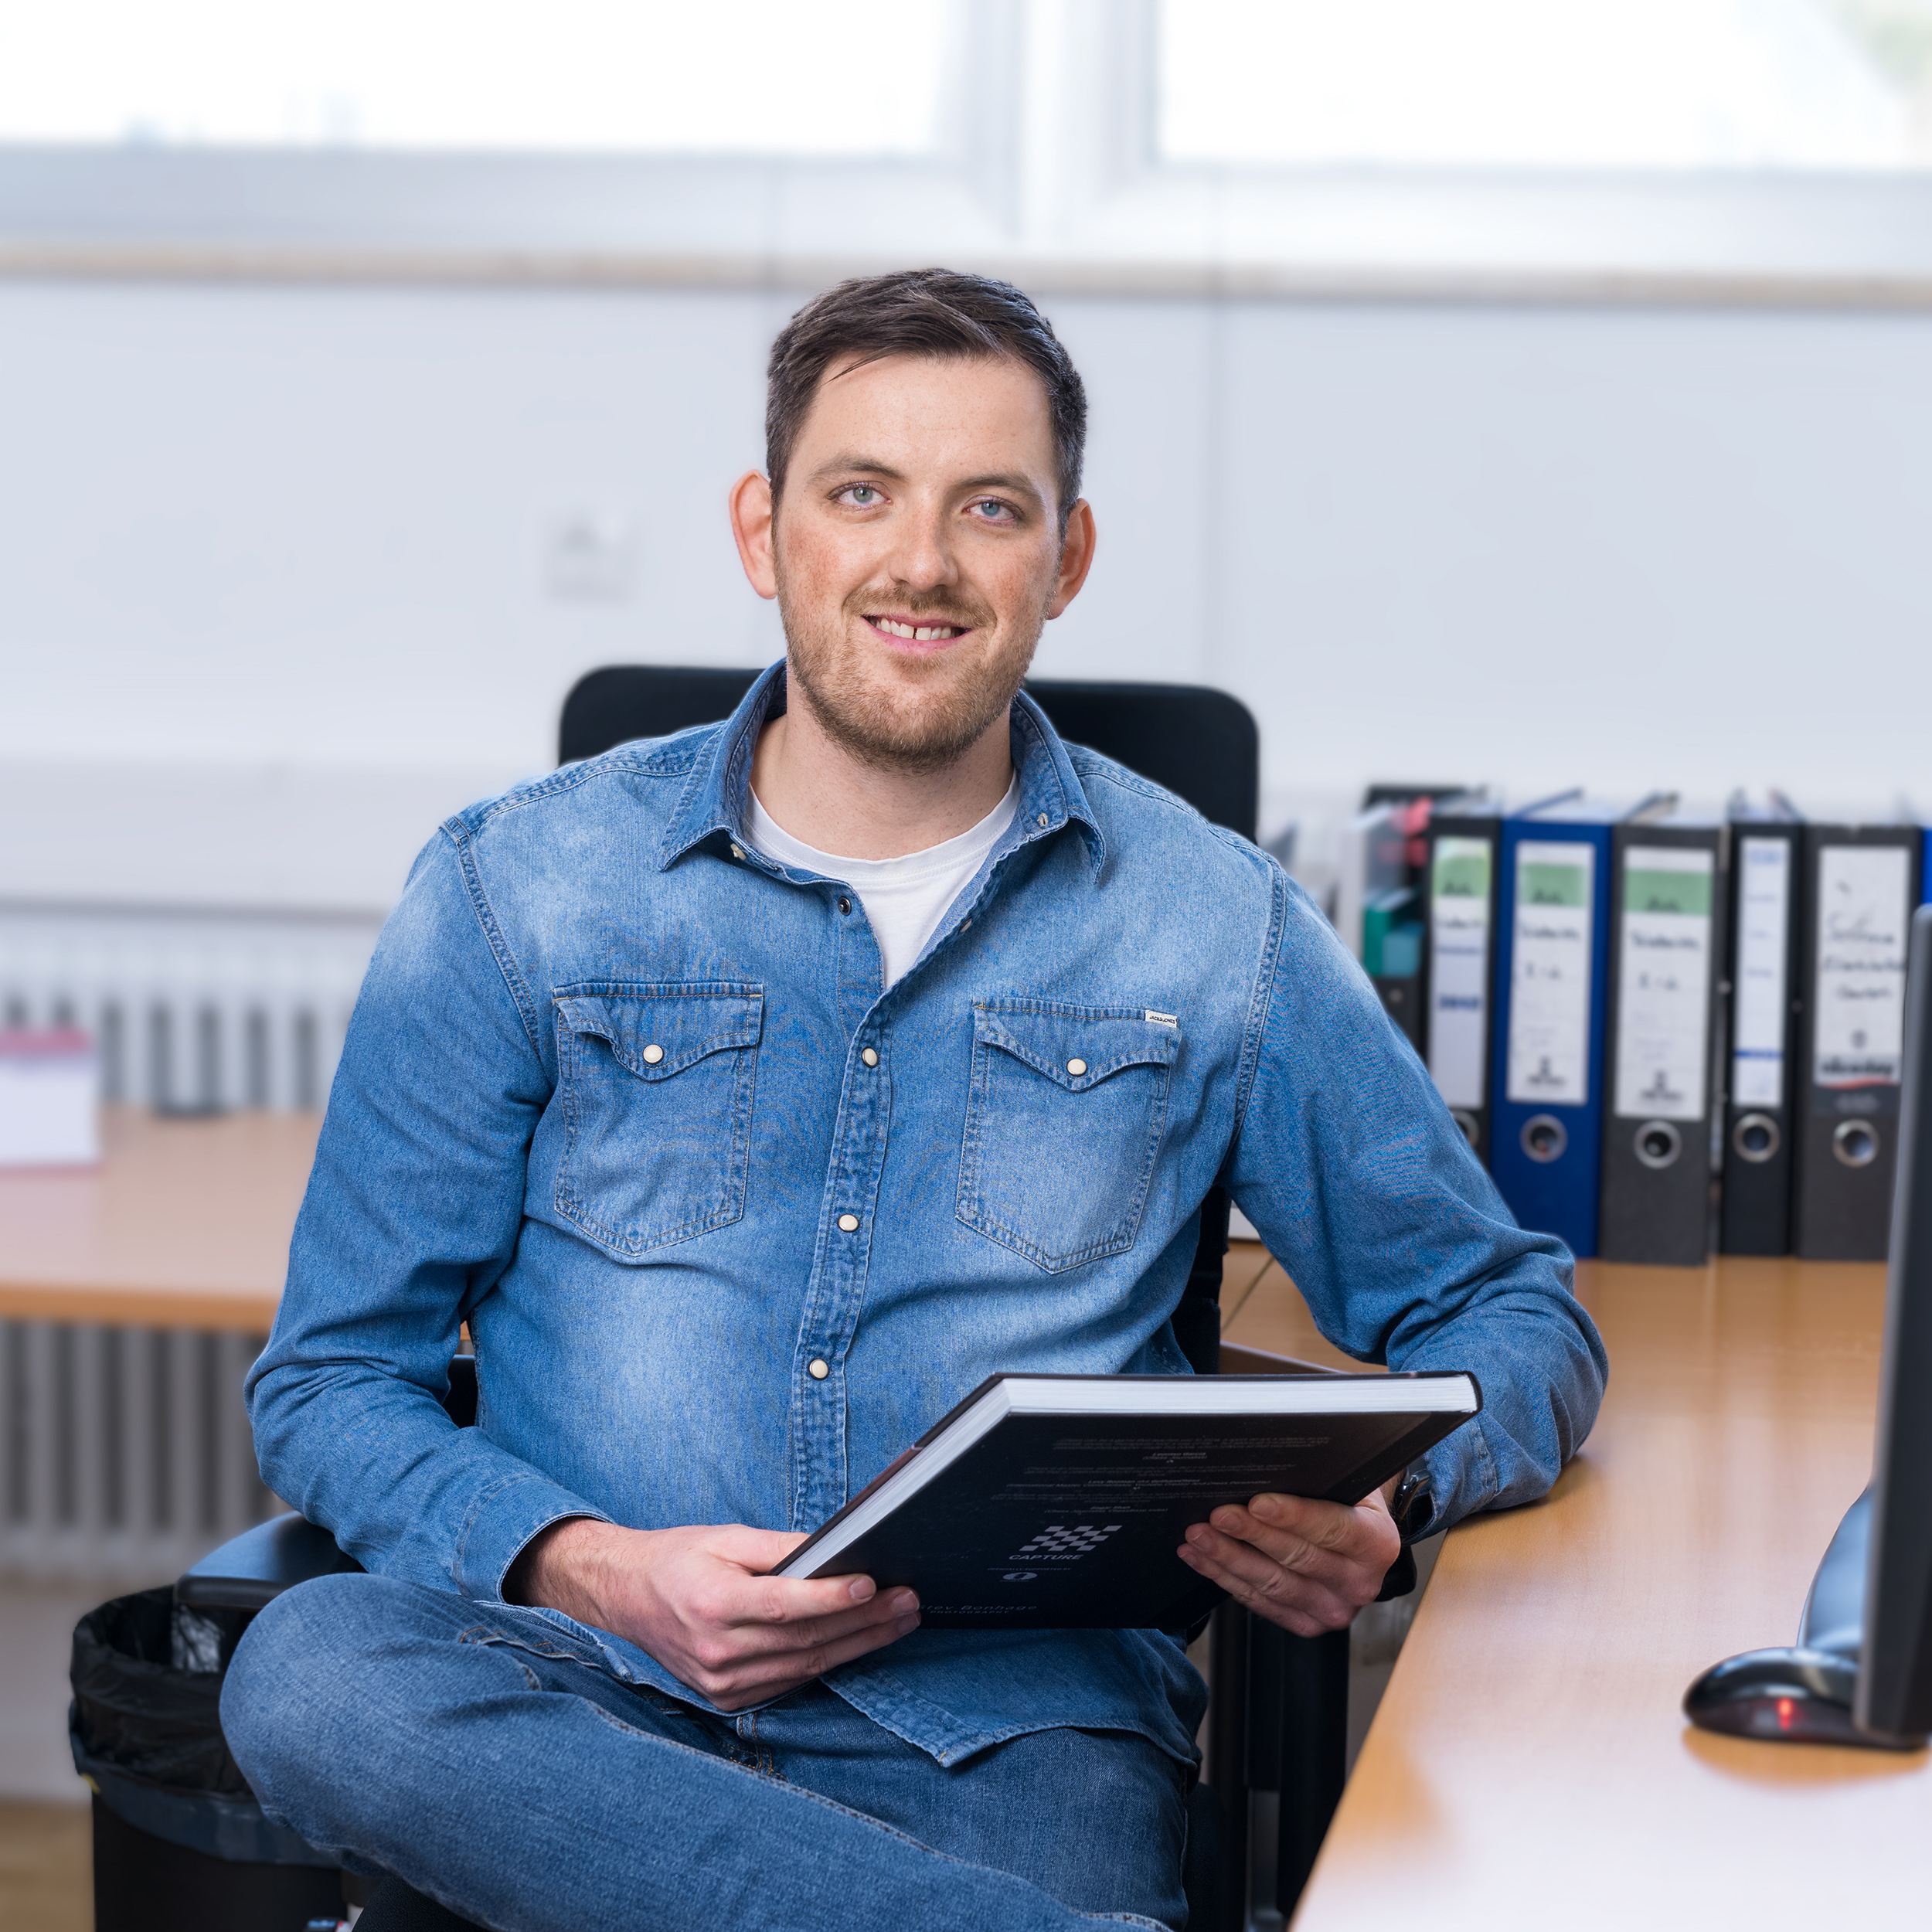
{"points": [[831, 1314]]}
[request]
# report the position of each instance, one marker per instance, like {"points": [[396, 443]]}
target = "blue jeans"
{"points": [[486, 1755]]}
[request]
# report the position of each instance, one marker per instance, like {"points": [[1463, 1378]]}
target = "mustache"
{"points": [[925, 607]]}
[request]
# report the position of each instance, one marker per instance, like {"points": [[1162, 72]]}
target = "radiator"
{"points": [[125, 1453], [192, 1011]]}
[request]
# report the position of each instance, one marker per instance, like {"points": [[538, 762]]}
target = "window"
{"points": [[756, 76], [1705, 149], [1551, 84]]}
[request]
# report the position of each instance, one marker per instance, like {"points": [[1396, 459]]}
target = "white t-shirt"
{"points": [[905, 898]]}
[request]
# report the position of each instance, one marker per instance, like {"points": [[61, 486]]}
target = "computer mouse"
{"points": [[1796, 1695]]}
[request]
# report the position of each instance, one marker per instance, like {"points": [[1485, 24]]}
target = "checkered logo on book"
{"points": [[1060, 1539]]}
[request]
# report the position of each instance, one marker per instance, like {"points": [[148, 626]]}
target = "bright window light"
{"points": [[1616, 84], [753, 77]]}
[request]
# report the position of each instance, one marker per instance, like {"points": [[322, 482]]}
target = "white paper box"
{"points": [[50, 1098]]}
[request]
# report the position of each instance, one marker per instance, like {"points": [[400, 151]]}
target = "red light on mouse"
{"points": [[1784, 1713]]}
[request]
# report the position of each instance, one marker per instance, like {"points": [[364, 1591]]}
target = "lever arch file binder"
{"points": [[1861, 882], [1666, 940], [1461, 888], [1552, 936], [1755, 1216]]}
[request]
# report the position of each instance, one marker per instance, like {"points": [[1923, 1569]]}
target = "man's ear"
{"points": [[1076, 557], [751, 526]]}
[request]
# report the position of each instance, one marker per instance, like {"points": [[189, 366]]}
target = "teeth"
{"points": [[921, 633]]}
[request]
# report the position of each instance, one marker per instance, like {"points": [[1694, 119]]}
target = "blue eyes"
{"points": [[987, 509]]}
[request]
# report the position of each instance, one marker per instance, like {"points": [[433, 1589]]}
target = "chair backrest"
{"points": [[1198, 743]]}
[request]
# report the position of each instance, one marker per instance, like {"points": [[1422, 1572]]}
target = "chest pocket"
{"points": [[1063, 1123], [657, 1088]]}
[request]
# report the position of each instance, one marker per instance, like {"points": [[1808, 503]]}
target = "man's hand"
{"points": [[697, 1599], [1306, 1565]]}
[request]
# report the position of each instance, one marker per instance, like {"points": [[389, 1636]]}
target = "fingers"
{"points": [[732, 1681], [1327, 1541], [1303, 1563], [1300, 1603]]}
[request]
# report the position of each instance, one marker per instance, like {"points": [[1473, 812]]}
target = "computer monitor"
{"points": [[1861, 1672]]}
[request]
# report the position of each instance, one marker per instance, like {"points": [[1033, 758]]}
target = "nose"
{"points": [[922, 557]]}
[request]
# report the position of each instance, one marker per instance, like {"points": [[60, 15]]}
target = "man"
{"points": [[754, 1094]]}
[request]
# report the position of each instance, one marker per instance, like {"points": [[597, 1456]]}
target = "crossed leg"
{"points": [[482, 1754]]}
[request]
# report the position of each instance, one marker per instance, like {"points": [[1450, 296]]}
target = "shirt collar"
{"points": [[713, 802]]}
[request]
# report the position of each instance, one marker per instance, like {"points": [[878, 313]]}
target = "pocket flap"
{"points": [[1053, 1039], [659, 1030]]}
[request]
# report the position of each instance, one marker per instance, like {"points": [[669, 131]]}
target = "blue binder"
{"points": [[1552, 967]]}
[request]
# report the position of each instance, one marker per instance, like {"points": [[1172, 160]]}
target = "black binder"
{"points": [[1767, 907], [1460, 890], [1667, 941], [1861, 883]]}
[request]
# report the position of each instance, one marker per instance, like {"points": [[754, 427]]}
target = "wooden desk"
{"points": [[185, 1224], [1530, 1767]]}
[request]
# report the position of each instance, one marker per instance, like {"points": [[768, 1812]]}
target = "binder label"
{"points": [[1858, 1029], [1663, 982], [1459, 968], [1762, 1002], [1548, 1056]]}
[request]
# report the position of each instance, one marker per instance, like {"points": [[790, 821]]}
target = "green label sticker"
{"points": [[1548, 885], [1645, 891], [1462, 868]]}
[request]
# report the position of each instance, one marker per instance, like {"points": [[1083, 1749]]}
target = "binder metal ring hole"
{"points": [[1755, 1137], [1855, 1143], [1544, 1136], [1467, 1121], [1658, 1143]]}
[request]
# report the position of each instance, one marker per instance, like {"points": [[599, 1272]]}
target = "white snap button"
{"points": [[1042, 818], [869, 1057], [1076, 1068], [817, 1369], [652, 1054], [849, 1223], [737, 851]]}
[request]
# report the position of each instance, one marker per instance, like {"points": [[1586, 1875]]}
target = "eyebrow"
{"points": [[849, 460], [1019, 485]]}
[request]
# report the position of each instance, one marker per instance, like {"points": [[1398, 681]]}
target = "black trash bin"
{"points": [[180, 1844]]}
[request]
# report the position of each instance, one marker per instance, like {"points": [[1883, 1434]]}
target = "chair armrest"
{"points": [[250, 1570]]}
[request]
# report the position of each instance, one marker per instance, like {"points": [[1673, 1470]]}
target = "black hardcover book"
{"points": [[1056, 1502]]}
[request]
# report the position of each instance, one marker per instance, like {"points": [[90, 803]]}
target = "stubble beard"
{"points": [[920, 731]]}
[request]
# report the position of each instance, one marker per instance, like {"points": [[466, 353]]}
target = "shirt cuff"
{"points": [[504, 1519], [1462, 1478]]}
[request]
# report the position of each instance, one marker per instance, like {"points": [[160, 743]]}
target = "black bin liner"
{"points": [[145, 1726]]}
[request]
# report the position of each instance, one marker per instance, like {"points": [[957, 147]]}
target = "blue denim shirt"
{"points": [[604, 1096]]}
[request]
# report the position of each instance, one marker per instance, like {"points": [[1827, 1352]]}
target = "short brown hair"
{"points": [[921, 311]]}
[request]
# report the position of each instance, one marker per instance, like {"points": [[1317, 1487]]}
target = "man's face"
{"points": [[917, 552]]}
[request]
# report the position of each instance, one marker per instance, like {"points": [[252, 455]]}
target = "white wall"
{"points": [[273, 589]]}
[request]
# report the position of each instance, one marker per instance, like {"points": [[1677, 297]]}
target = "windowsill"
{"points": [[513, 268]]}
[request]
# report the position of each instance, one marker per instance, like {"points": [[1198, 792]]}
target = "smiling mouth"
{"points": [[911, 632]]}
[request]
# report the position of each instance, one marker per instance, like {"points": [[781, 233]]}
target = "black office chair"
{"points": [[1279, 1715]]}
